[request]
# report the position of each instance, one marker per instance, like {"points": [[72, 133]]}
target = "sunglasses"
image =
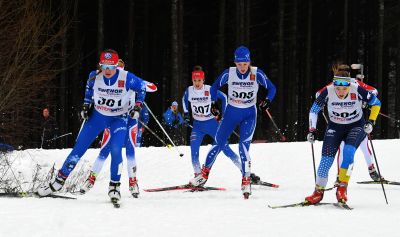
{"points": [[340, 82], [108, 66]]}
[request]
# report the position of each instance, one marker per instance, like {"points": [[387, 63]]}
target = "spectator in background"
{"points": [[49, 130], [172, 120]]}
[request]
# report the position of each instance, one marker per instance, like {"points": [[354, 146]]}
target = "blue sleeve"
{"points": [[263, 80], [168, 118], [185, 101], [89, 89], [221, 80], [180, 118], [221, 96], [319, 103], [144, 115], [368, 97], [137, 84]]}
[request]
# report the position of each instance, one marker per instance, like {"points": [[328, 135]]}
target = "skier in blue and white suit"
{"points": [[110, 90], [204, 122], [243, 81]]}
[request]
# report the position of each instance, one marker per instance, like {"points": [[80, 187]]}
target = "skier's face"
{"points": [[109, 70], [342, 91], [45, 113], [243, 66], [108, 73], [198, 83]]}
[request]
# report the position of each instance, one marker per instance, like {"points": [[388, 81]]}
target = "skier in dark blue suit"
{"points": [[243, 81]]}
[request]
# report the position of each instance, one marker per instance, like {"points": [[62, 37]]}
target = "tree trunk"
{"points": [[131, 34], [100, 26], [380, 57], [221, 37]]}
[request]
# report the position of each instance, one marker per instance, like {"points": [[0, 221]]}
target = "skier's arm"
{"points": [[185, 101], [89, 89], [369, 88], [168, 117], [263, 80], [137, 84], [222, 97], [318, 104], [372, 101], [221, 80]]}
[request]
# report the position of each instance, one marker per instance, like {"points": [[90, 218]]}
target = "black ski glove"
{"points": [[264, 104], [85, 111], [135, 112]]}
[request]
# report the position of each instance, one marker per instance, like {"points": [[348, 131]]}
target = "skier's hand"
{"points": [[135, 112], [186, 117], [85, 111], [264, 104], [368, 126], [215, 109], [365, 105], [311, 135]]}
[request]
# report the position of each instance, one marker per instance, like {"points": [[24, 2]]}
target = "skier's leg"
{"points": [[118, 129], [353, 139], [196, 137], [94, 125], [130, 157], [366, 151], [247, 127], [332, 139]]}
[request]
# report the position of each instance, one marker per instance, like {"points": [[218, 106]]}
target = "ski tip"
{"points": [[275, 185]]}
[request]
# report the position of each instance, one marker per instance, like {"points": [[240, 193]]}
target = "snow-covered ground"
{"points": [[213, 213]]}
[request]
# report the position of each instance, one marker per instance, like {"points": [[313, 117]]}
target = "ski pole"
{"points": [[70, 133], [159, 124], [377, 167], [154, 134], [313, 159], [83, 123], [283, 138]]}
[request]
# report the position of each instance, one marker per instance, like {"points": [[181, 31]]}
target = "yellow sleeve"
{"points": [[374, 112]]}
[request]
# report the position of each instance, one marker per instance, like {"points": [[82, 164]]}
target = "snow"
{"points": [[213, 213]]}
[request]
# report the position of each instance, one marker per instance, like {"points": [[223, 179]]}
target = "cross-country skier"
{"points": [[111, 90], [204, 122], [364, 144], [346, 123], [130, 143], [243, 82]]}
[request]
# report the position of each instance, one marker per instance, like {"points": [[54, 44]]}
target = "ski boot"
{"points": [[373, 174], [134, 187], [114, 191], [341, 192], [89, 183], [254, 178], [54, 185], [201, 178], [317, 195], [246, 187]]}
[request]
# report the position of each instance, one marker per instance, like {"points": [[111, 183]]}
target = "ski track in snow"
{"points": [[212, 213]]}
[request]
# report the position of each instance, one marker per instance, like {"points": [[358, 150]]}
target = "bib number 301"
{"points": [[109, 102]]}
